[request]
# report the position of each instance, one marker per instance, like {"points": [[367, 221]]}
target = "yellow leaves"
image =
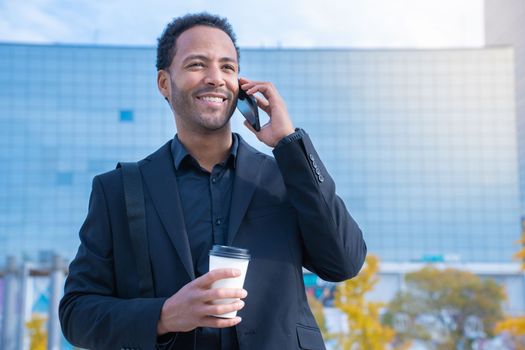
{"points": [[365, 331], [317, 310], [513, 325], [37, 332], [520, 255]]}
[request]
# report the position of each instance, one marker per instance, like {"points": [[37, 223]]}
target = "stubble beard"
{"points": [[185, 110]]}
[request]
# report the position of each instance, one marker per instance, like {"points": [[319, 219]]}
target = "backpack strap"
{"points": [[136, 213]]}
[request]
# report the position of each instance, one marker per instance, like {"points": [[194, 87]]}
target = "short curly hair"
{"points": [[166, 42]]}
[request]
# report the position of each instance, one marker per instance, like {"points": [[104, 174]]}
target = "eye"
{"points": [[196, 65], [229, 67]]}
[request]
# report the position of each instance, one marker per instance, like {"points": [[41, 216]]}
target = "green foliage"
{"points": [[445, 308]]}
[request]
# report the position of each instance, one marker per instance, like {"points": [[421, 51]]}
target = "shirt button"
{"points": [[213, 180], [218, 222], [311, 156]]}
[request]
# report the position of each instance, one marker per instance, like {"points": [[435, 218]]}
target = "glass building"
{"points": [[505, 25], [421, 143]]}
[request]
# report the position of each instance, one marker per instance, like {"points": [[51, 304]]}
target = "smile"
{"points": [[214, 99]]}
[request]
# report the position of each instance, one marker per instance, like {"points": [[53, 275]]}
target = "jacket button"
{"points": [[311, 156], [321, 178]]}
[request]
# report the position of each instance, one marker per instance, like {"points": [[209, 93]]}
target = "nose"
{"points": [[214, 77]]}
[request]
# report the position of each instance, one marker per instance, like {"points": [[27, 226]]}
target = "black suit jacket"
{"points": [[284, 210]]}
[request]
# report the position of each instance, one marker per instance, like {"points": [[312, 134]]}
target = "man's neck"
{"points": [[208, 149]]}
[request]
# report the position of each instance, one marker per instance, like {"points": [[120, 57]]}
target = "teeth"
{"points": [[211, 99]]}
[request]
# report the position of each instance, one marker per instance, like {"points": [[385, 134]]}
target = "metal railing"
{"points": [[15, 303]]}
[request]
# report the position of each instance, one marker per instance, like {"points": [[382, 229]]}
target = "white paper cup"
{"points": [[229, 257]]}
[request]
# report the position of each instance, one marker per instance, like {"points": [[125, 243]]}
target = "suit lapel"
{"points": [[247, 176], [159, 175]]}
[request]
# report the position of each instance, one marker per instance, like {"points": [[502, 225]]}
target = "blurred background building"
{"points": [[424, 145], [421, 143], [504, 26]]}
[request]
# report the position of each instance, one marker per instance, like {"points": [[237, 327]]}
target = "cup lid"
{"points": [[230, 252]]}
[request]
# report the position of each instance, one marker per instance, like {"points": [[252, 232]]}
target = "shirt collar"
{"points": [[180, 153]]}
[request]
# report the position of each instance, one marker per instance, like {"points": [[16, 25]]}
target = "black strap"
{"points": [[136, 211]]}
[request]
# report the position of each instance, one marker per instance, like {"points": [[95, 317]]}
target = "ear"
{"points": [[164, 83]]}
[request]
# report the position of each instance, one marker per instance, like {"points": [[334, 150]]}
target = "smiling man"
{"points": [[207, 187]]}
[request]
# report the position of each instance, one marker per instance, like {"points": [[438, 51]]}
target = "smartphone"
{"points": [[247, 105]]}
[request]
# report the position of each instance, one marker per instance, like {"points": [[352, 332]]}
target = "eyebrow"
{"points": [[205, 58]]}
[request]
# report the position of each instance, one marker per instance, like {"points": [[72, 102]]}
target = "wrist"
{"points": [[292, 137], [287, 132], [161, 328], [161, 323]]}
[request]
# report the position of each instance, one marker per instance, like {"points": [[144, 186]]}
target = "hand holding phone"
{"points": [[270, 101], [247, 105]]}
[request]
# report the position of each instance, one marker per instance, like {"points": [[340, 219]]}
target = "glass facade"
{"points": [[421, 143], [505, 25]]}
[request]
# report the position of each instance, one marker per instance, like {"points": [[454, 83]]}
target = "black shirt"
{"points": [[206, 201]]}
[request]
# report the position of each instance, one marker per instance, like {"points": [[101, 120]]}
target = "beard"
{"points": [[196, 117]]}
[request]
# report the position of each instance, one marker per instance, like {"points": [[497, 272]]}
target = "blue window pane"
{"points": [[126, 116], [64, 178]]}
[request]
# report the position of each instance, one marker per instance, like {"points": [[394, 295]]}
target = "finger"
{"points": [[263, 104], [247, 84], [223, 293], [262, 87], [216, 322], [209, 278], [221, 309], [244, 80], [268, 91]]}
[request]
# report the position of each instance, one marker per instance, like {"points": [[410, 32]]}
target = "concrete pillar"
{"points": [[57, 284], [8, 339], [23, 304]]}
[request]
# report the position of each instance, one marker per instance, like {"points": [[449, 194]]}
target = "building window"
{"points": [[64, 178], [126, 116]]}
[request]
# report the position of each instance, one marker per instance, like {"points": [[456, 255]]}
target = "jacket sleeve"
{"points": [[334, 247], [91, 313]]}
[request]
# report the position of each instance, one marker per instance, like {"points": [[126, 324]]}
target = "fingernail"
{"points": [[244, 293], [240, 304]]}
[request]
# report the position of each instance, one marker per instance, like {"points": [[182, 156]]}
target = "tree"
{"points": [[317, 310], [515, 326], [520, 255], [37, 332], [365, 331], [445, 309]]}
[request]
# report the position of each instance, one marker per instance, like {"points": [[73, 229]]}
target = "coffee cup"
{"points": [[229, 257]]}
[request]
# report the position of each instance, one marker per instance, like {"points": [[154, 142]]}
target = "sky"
{"points": [[269, 23]]}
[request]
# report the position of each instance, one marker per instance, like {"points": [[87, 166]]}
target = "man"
{"points": [[205, 187]]}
